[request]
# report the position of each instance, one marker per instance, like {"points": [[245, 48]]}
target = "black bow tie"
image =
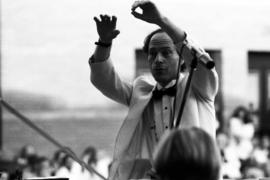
{"points": [[157, 94]]}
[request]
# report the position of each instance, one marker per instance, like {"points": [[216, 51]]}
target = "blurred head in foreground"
{"points": [[187, 154]]}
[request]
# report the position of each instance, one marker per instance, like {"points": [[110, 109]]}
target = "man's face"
{"points": [[163, 58]]}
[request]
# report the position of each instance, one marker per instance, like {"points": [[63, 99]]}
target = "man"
{"points": [[151, 113]]}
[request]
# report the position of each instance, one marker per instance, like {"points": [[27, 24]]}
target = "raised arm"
{"points": [[103, 75], [205, 81], [151, 14], [106, 28]]}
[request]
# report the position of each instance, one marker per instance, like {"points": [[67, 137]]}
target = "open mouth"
{"points": [[160, 70]]}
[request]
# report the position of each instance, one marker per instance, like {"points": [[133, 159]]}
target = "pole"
{"points": [[1, 112], [193, 66]]}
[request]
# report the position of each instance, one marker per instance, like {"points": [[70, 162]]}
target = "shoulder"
{"points": [[144, 83], [144, 80]]}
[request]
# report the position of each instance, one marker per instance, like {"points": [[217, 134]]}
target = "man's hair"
{"points": [[187, 154], [148, 39]]}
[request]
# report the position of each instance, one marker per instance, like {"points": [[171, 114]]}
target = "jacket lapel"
{"points": [[126, 144]]}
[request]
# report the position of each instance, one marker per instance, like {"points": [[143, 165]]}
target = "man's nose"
{"points": [[159, 58]]}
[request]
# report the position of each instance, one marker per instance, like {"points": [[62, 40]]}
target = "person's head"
{"points": [[242, 113], [44, 167], [187, 154], [58, 158], [222, 140], [162, 56], [28, 150], [89, 155], [67, 162]]}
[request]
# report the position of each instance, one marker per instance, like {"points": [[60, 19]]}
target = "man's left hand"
{"points": [[150, 13]]}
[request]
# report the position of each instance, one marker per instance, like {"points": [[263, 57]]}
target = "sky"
{"points": [[46, 44]]}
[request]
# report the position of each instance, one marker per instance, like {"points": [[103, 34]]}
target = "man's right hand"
{"points": [[106, 28]]}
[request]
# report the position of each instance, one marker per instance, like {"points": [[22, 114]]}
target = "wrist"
{"points": [[162, 21], [103, 43]]}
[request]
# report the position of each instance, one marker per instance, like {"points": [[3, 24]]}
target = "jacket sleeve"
{"points": [[204, 81], [104, 77]]}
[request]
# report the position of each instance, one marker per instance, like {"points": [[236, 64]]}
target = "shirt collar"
{"points": [[170, 84]]}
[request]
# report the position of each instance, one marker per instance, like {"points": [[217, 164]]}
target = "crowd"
{"points": [[244, 150], [244, 153], [31, 164]]}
